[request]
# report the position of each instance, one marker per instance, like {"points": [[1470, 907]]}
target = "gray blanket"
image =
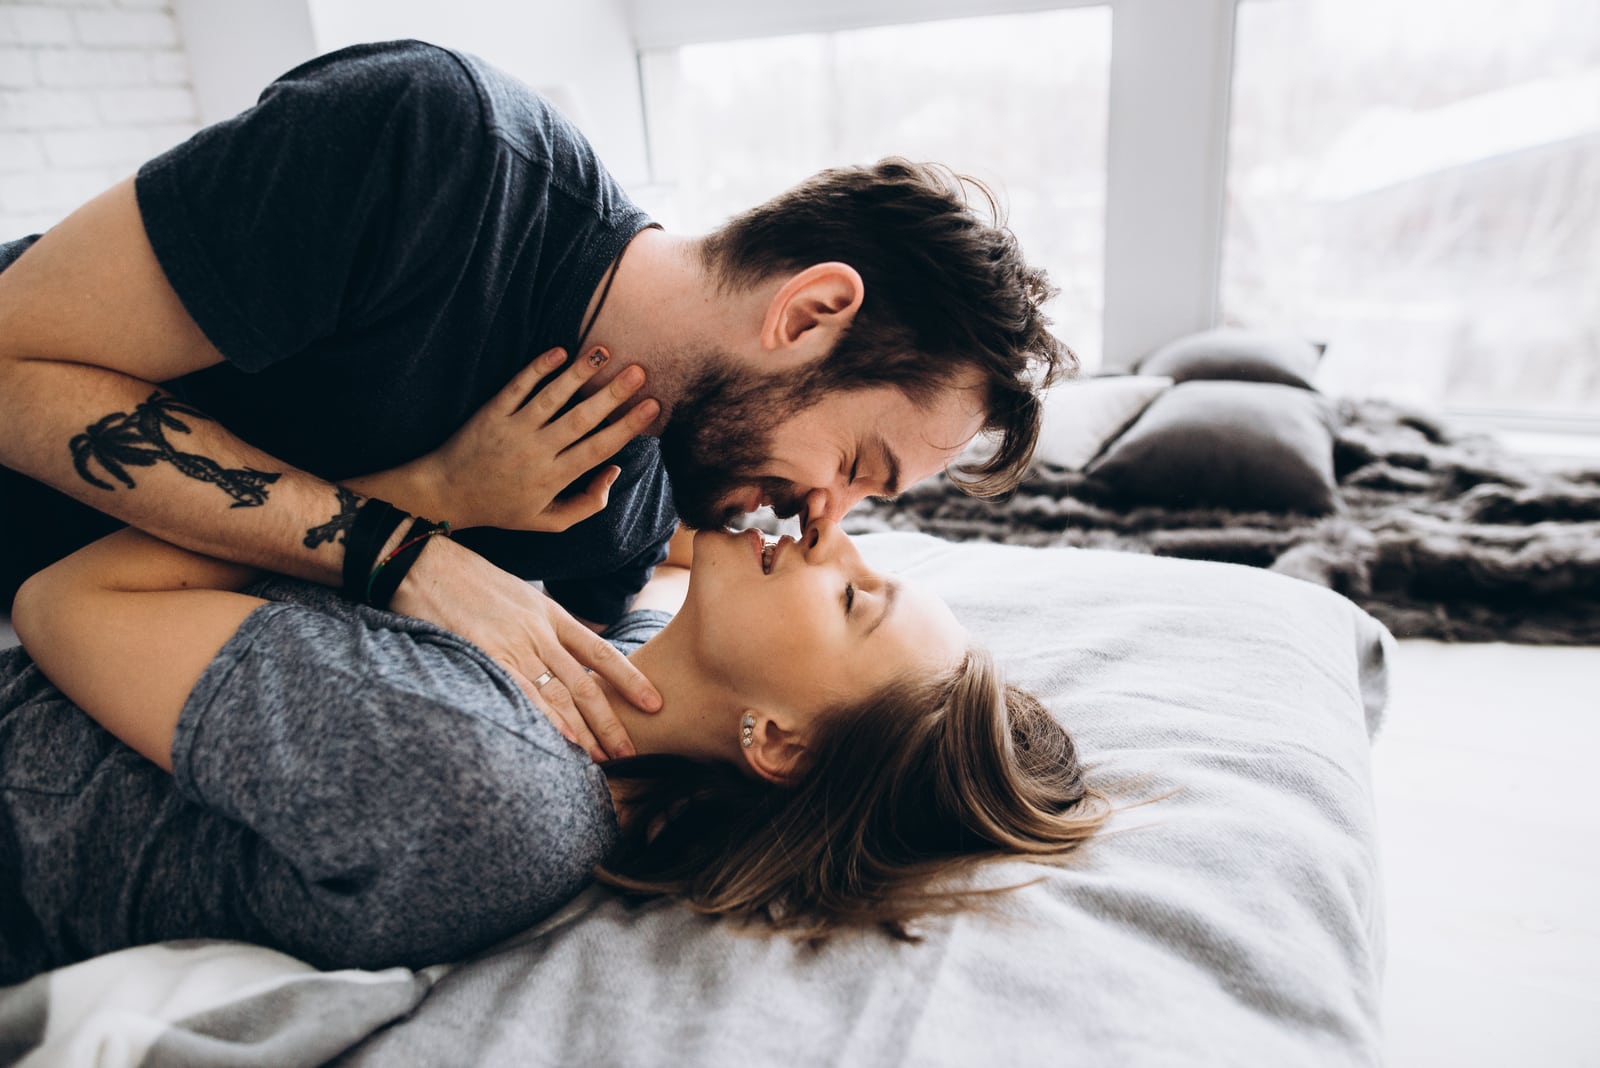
{"points": [[1439, 533], [1236, 922]]}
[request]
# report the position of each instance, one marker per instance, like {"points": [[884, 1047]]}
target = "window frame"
{"points": [[1166, 156]]}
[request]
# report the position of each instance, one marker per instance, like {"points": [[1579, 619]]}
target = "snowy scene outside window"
{"points": [[1418, 184]]}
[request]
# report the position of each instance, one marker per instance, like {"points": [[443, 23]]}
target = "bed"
{"points": [[1235, 919]]}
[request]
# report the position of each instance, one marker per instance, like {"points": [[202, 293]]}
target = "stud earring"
{"points": [[747, 731]]}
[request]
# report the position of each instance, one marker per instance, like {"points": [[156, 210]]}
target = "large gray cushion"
{"points": [[1246, 446]]}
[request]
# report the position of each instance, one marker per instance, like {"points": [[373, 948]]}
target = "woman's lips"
{"points": [[774, 548], [761, 545]]}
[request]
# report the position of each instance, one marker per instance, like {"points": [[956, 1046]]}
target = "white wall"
{"points": [[89, 89], [237, 47]]}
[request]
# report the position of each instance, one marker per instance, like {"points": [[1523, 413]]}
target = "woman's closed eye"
{"points": [[849, 597]]}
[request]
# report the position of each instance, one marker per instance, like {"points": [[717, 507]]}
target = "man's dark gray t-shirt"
{"points": [[376, 248], [353, 787]]}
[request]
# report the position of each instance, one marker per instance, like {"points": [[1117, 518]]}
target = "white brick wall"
{"points": [[89, 90]]}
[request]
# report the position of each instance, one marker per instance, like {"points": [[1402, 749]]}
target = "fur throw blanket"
{"points": [[1439, 534]]}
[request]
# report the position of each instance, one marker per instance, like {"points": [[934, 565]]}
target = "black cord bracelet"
{"points": [[375, 522]]}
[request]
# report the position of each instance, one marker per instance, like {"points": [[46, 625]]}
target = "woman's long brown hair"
{"points": [[921, 783]]}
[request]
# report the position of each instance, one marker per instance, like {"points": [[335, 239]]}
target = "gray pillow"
{"points": [[1247, 446], [1238, 355]]}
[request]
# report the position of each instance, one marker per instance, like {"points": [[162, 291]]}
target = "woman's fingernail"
{"points": [[598, 357], [633, 376], [555, 357]]}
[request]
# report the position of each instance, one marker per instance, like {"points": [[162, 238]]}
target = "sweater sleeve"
{"points": [[411, 804]]}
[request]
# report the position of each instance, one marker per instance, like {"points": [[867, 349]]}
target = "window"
{"points": [[1018, 101], [1415, 184]]}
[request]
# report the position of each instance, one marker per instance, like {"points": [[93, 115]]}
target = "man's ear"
{"points": [[775, 753], [809, 312]]}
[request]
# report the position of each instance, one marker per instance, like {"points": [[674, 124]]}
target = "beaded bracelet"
{"points": [[385, 579]]}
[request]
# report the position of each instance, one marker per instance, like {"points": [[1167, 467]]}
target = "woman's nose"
{"points": [[819, 539]]}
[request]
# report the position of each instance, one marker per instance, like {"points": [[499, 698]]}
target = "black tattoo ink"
{"points": [[339, 526], [139, 439]]}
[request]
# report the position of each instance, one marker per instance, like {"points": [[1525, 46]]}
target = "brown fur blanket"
{"points": [[1439, 534]]}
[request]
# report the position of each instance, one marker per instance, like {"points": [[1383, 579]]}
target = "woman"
{"points": [[359, 788]]}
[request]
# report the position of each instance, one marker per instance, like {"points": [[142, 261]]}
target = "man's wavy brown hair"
{"points": [[947, 291], [901, 795]]}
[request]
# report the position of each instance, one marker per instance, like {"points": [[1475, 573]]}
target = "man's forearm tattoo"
{"points": [[139, 439], [339, 526]]}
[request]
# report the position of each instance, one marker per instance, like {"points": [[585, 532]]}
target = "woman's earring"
{"points": [[747, 731]]}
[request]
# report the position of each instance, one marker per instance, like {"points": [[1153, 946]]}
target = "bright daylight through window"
{"points": [[1018, 101], [1419, 185]]}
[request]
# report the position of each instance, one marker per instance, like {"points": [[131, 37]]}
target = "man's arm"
{"points": [[89, 324]]}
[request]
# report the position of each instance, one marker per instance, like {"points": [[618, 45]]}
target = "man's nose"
{"points": [[832, 504]]}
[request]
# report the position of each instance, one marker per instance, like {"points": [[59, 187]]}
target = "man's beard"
{"points": [[718, 435]]}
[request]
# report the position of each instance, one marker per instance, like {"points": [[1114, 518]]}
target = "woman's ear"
{"points": [[809, 312], [773, 752]]}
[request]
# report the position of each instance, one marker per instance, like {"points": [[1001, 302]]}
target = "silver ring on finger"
{"points": [[539, 683]]}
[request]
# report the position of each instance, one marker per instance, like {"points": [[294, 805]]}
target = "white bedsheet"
{"points": [[1238, 922]]}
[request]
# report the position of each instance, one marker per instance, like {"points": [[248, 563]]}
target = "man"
{"points": [[341, 276]]}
